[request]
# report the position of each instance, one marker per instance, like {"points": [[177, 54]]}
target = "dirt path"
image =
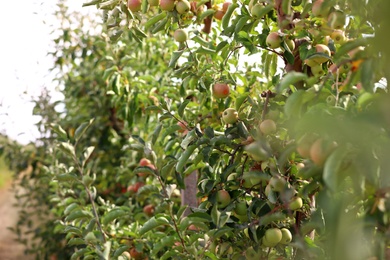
{"points": [[9, 248]]}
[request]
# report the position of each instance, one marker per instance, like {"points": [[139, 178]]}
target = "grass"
{"points": [[5, 173]]}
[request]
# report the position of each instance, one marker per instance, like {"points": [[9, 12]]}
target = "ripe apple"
{"points": [[221, 90], [338, 36], [148, 210], [273, 40], [320, 150], [225, 6], [135, 187], [230, 116], [319, 9], [167, 5], [317, 71], [223, 198], [296, 203], [192, 227], [134, 5], [252, 254], [241, 208], [277, 183], [144, 162], [286, 236], [256, 10], [183, 6], [219, 14], [336, 20], [135, 254], [154, 2], [267, 127], [273, 235], [180, 35]]}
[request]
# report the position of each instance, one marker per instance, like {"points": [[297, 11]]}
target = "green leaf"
{"points": [[63, 177], [79, 253], [290, 78], [182, 107], [121, 250], [227, 16], [112, 215], [174, 58], [183, 160], [87, 154], [207, 13], [332, 168], [349, 46], [275, 217], [76, 242], [67, 148], [78, 215], [154, 20], [94, 2], [152, 223], [156, 133], [206, 51], [60, 131], [367, 73], [82, 129]]}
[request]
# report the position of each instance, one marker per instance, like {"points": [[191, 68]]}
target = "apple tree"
{"points": [[216, 130]]}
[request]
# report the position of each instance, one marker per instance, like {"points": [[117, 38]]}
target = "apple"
{"points": [[296, 203], [135, 187], [144, 162], [135, 254], [267, 190], [311, 62], [221, 90], [257, 151], [148, 210], [322, 48], [319, 9], [134, 5], [225, 6], [286, 236], [241, 208], [256, 10], [126, 255], [223, 198], [290, 43], [251, 179], [167, 5], [338, 36], [154, 2], [320, 150], [192, 227], [317, 71], [183, 6], [219, 14], [273, 235], [266, 243], [336, 20], [180, 35], [273, 40], [267, 127], [304, 145], [230, 116], [277, 183], [252, 254]]}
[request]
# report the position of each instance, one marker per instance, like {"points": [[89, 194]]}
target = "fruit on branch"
{"points": [[319, 9], [286, 236], [320, 150], [219, 14], [225, 6], [135, 187], [192, 227], [134, 5], [268, 126], [154, 2], [273, 236], [241, 208], [167, 5], [277, 183], [336, 20], [273, 40], [183, 6], [230, 116], [304, 144], [321, 48], [311, 63], [317, 71], [223, 198], [338, 36], [290, 44], [252, 254], [250, 179], [221, 90], [295, 203], [258, 150], [256, 11], [148, 210], [180, 35], [146, 163], [135, 254]]}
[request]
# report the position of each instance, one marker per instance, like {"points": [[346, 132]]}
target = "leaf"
{"points": [[151, 224], [174, 58], [76, 242], [81, 129], [67, 148], [207, 13], [183, 160], [182, 107], [275, 217], [156, 133], [66, 177], [94, 2], [121, 250], [349, 46], [290, 79], [78, 214], [332, 167], [206, 51], [87, 154], [112, 215], [60, 131], [367, 72], [155, 19], [226, 18]]}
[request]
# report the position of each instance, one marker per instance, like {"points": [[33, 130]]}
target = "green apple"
{"points": [[273, 235], [251, 179], [319, 9], [256, 11], [322, 48], [266, 243], [221, 90], [223, 198], [311, 62], [167, 5], [317, 71], [180, 35], [273, 40], [134, 5], [230, 116], [336, 20], [267, 126], [241, 208], [183, 6], [257, 151], [290, 43], [277, 183], [154, 2], [338, 36], [286, 236], [320, 150], [296, 203]]}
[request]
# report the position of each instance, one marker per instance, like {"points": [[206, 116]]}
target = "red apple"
{"points": [[148, 210], [167, 5], [320, 150], [221, 90], [225, 6], [219, 14], [134, 5], [135, 254]]}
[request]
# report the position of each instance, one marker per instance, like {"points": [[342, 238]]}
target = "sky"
{"points": [[24, 67]]}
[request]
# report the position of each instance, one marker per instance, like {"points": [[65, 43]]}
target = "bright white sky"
{"points": [[25, 42]]}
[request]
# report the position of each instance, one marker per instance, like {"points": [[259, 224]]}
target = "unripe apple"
{"points": [[256, 10], [317, 71], [257, 151], [219, 14], [338, 36], [322, 48], [154, 2], [148, 210], [319, 9], [286, 236], [304, 144], [183, 6], [277, 183], [225, 6], [267, 127], [251, 179], [180, 35], [241, 208], [266, 243], [296, 203], [167, 5], [134, 5], [290, 43], [320, 150], [273, 235], [311, 62], [221, 90], [230, 116], [223, 198], [336, 20], [273, 40]]}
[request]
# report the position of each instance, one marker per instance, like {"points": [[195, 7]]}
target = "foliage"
{"points": [[311, 125]]}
